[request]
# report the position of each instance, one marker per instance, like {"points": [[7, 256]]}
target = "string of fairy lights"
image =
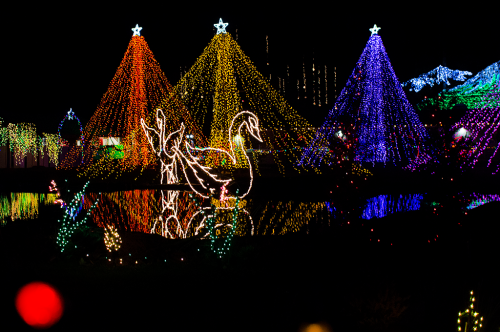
{"points": [[222, 82], [468, 320]]}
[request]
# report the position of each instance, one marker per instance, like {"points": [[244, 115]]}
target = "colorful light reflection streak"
{"points": [[477, 200], [22, 206], [383, 205]]}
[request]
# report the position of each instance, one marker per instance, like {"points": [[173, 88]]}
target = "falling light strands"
{"points": [[304, 79], [326, 88], [267, 49], [224, 73]]}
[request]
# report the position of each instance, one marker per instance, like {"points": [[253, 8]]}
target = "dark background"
{"points": [[59, 57]]}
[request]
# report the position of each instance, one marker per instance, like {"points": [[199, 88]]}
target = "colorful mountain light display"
{"points": [[223, 82], [377, 123], [470, 93], [438, 75]]}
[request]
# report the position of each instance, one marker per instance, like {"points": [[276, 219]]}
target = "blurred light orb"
{"points": [[39, 304], [462, 132], [318, 327]]}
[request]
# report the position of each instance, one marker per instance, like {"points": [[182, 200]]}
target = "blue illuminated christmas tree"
{"points": [[372, 119]]}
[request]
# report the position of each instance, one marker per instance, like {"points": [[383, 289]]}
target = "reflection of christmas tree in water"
{"points": [[222, 82], [377, 122], [114, 139]]}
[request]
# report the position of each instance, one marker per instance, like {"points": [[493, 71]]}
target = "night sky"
{"points": [[57, 57]]}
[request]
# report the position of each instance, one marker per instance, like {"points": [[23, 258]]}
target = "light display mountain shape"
{"points": [[374, 115], [438, 75], [222, 82], [470, 93], [486, 77]]}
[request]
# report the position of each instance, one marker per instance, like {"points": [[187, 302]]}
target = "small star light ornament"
{"points": [[137, 30], [70, 114], [375, 30], [221, 26]]}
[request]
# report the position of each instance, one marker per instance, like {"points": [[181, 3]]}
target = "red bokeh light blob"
{"points": [[39, 304]]}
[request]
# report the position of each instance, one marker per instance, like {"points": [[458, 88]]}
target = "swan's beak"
{"points": [[256, 134], [253, 125]]}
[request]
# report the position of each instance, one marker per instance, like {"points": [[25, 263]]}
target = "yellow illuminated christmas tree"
{"points": [[115, 142], [224, 81]]}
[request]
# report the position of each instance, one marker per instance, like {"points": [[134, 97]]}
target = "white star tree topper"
{"points": [[137, 30], [375, 29], [221, 26]]}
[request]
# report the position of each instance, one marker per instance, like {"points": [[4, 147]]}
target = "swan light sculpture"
{"points": [[175, 149]]}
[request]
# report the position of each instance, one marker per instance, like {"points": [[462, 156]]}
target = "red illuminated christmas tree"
{"points": [[116, 142]]}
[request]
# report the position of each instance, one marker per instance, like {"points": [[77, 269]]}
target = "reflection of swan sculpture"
{"points": [[181, 151]]}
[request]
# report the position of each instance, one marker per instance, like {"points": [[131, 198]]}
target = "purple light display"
{"points": [[482, 125], [477, 200], [383, 205], [383, 126]]}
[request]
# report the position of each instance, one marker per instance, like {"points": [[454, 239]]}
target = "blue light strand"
{"points": [[384, 205], [385, 127]]}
